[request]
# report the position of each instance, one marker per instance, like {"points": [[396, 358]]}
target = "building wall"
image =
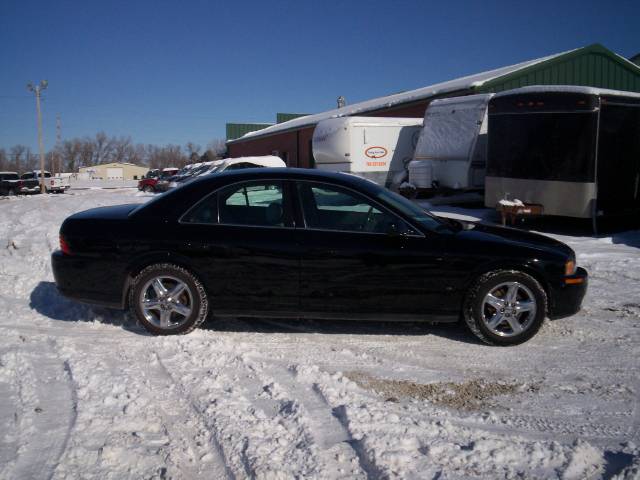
{"points": [[293, 147], [129, 172]]}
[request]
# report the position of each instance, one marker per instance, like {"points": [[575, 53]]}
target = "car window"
{"points": [[26, 176], [242, 165], [329, 207], [249, 203]]}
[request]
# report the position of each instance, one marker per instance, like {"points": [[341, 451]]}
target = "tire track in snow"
{"points": [[47, 416], [534, 428], [325, 429], [189, 443]]}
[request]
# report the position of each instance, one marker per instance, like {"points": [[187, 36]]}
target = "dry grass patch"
{"points": [[468, 395]]}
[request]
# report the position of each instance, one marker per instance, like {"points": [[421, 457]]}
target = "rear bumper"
{"points": [[86, 280], [567, 296]]}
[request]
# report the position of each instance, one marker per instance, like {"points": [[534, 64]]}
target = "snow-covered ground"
{"points": [[86, 393]]}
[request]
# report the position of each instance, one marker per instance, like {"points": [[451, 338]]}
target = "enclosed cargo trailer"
{"points": [[573, 150], [376, 148]]}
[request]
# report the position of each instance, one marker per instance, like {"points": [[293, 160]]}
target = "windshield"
{"points": [[412, 210]]}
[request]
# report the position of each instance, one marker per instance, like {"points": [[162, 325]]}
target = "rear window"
{"points": [[9, 176], [543, 146]]}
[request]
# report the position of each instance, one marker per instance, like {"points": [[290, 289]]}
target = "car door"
{"points": [[242, 240], [360, 260]]}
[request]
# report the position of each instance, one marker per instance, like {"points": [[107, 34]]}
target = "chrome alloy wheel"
{"points": [[509, 309], [166, 302]]}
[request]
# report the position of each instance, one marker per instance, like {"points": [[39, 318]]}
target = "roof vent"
{"points": [[341, 101]]}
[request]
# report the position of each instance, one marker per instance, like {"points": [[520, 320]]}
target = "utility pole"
{"points": [[37, 90], [58, 145]]}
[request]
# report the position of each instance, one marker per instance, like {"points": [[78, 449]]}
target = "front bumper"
{"points": [[567, 296], [30, 189]]}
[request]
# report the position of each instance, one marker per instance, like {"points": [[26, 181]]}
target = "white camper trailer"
{"points": [[376, 148], [452, 149]]}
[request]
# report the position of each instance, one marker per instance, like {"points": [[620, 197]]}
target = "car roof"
{"points": [[170, 202], [291, 174]]}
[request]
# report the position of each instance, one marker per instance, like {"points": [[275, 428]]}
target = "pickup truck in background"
{"points": [[9, 183], [31, 183], [150, 180]]}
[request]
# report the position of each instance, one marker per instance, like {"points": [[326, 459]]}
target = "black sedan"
{"points": [[303, 243]]}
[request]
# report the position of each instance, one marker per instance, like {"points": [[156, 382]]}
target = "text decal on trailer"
{"points": [[376, 152]]}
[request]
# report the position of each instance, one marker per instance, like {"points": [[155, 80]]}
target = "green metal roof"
{"points": [[592, 66], [236, 130], [285, 117]]}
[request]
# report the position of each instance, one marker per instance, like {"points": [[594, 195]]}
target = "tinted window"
{"points": [[9, 176], [543, 146], [257, 204], [329, 207]]}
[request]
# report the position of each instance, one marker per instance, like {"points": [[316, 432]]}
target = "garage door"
{"points": [[114, 173]]}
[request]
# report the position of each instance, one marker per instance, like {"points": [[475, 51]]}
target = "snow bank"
{"points": [[86, 393]]}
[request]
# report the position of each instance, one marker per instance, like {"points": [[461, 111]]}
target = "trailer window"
{"points": [[543, 146]]}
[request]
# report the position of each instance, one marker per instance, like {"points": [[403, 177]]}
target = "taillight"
{"points": [[64, 246], [52, 182], [20, 183]]}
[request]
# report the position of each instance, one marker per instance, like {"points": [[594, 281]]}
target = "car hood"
{"points": [[513, 236], [115, 212]]}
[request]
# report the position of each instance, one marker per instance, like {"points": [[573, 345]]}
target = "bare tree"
{"points": [[4, 160], [121, 149], [18, 156], [216, 149], [103, 148]]}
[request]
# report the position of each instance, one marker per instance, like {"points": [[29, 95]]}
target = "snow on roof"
{"points": [[567, 89], [457, 84], [377, 121]]}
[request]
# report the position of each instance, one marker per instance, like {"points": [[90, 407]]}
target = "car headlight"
{"points": [[570, 267]]}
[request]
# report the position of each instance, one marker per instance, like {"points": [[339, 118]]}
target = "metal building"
{"points": [[593, 66], [115, 171]]}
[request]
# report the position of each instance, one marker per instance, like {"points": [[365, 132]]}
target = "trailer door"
{"points": [[618, 170]]}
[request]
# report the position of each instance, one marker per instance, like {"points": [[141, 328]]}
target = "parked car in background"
{"points": [[30, 182], [149, 182], [227, 164], [188, 171], [9, 183], [306, 243]]}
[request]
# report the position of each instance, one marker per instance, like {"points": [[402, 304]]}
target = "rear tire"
{"points": [[505, 307], [168, 300]]}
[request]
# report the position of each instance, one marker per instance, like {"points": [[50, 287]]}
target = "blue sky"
{"points": [[172, 72]]}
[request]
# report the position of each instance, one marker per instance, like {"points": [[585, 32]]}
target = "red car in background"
{"points": [[149, 181]]}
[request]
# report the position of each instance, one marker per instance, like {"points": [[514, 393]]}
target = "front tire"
{"points": [[168, 300], [505, 307], [148, 189]]}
